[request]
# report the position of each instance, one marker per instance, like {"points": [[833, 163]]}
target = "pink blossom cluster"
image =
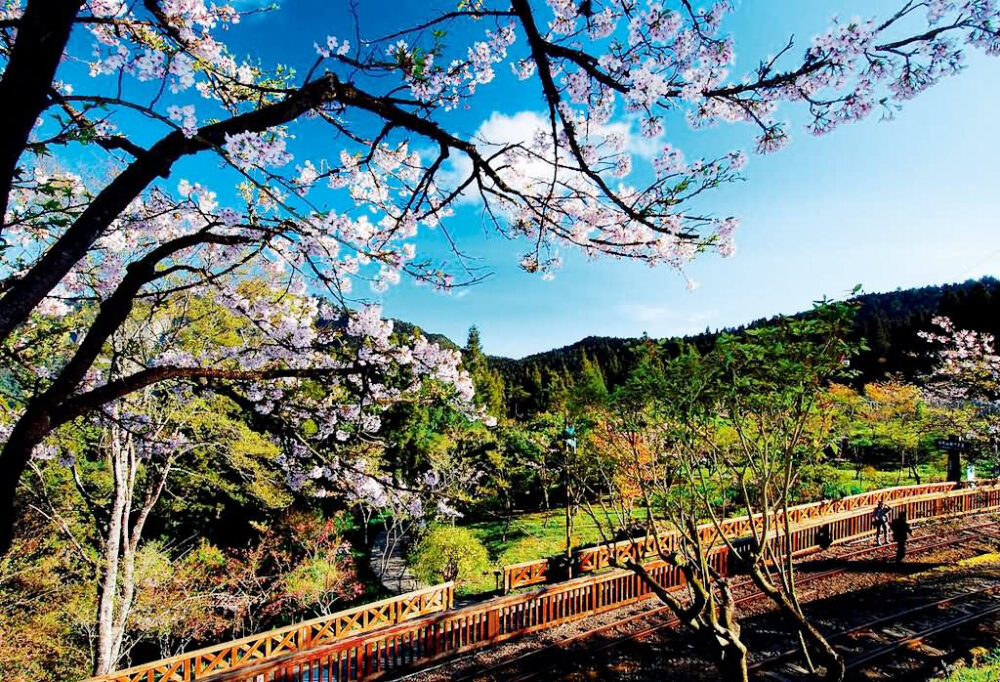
{"points": [[11, 9], [332, 46], [280, 257], [448, 86], [189, 53], [185, 116], [967, 364], [288, 328], [257, 150]]}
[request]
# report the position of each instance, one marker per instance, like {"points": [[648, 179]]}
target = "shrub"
{"points": [[322, 581], [450, 553], [819, 481]]}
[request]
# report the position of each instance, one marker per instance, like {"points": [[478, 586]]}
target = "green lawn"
{"points": [[987, 670], [536, 535], [846, 483], [531, 536]]}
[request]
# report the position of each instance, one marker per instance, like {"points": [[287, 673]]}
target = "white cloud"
{"points": [[493, 134], [662, 321], [501, 130]]}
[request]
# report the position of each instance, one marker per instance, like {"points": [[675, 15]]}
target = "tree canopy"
{"points": [[219, 170]]}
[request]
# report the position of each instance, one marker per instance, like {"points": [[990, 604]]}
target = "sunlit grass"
{"points": [[537, 535], [987, 669]]}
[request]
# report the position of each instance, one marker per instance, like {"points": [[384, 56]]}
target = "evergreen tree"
{"points": [[487, 381], [591, 388]]}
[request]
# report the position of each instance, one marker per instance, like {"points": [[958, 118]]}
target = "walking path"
{"points": [[391, 568]]}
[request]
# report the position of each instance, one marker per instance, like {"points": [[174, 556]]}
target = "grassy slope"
{"points": [[542, 534]]}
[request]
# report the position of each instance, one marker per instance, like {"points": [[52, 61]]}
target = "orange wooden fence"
{"points": [[422, 641], [429, 639], [201, 663], [602, 556], [525, 573], [445, 632]]}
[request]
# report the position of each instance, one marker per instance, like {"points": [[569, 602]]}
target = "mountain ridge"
{"points": [[888, 321]]}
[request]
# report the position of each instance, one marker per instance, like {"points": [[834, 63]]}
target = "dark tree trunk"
{"points": [[824, 653], [719, 638], [730, 659], [42, 34], [29, 431]]}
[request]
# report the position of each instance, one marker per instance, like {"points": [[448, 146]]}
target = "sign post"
{"points": [[954, 446]]}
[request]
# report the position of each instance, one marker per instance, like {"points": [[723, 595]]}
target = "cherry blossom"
{"points": [[185, 116], [967, 366], [287, 229]]}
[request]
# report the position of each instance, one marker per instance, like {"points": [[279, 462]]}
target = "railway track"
{"points": [[539, 663], [889, 635]]}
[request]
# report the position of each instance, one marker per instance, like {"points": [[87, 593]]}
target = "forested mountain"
{"points": [[889, 323], [406, 328]]}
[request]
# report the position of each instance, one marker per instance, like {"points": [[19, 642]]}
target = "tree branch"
{"points": [[42, 35], [26, 293], [90, 400]]}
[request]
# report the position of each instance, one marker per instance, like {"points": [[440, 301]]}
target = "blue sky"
{"points": [[886, 205]]}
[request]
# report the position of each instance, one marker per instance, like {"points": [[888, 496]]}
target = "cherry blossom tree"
{"points": [[967, 366], [153, 87], [966, 373]]}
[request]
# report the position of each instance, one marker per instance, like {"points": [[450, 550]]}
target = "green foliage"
{"points": [[889, 322], [450, 553], [487, 381], [590, 389], [234, 474], [985, 670], [318, 583], [692, 433], [257, 563], [45, 597]]}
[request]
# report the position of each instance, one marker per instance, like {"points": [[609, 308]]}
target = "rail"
{"points": [[447, 632]]}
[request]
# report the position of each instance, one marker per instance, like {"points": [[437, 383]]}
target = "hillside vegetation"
{"points": [[888, 322]]}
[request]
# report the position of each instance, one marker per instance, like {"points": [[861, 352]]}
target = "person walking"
{"points": [[824, 537], [900, 533], [880, 519]]}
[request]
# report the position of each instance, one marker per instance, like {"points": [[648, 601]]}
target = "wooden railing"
{"points": [[422, 641], [525, 573], [426, 640], [374, 650], [199, 664], [602, 556]]}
